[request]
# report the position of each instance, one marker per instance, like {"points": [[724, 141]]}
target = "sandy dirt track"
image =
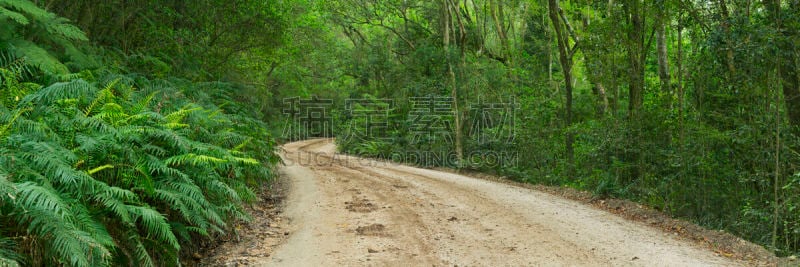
{"points": [[348, 211]]}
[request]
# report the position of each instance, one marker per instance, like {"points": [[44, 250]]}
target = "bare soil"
{"points": [[347, 211]]}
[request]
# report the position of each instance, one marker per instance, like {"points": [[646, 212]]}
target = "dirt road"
{"points": [[346, 211]]}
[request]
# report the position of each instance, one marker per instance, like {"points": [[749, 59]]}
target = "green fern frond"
{"points": [[250, 161], [193, 159], [177, 116], [26, 7], [225, 190], [47, 215], [31, 195], [16, 17], [103, 95], [112, 113], [173, 125], [241, 145], [114, 199], [85, 222], [156, 166], [155, 224], [4, 129], [12, 68], [55, 162], [100, 168], [7, 188], [60, 26], [77, 89], [172, 138], [8, 257], [143, 103], [189, 209], [141, 256], [37, 56]]}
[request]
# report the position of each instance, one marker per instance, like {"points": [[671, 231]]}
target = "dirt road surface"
{"points": [[346, 211]]}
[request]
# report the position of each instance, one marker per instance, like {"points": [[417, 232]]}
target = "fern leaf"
{"points": [[250, 161], [101, 96], [113, 200], [31, 196], [142, 257], [177, 116], [192, 159], [5, 128], [60, 26], [155, 224], [97, 169], [46, 214], [37, 56], [16, 17], [27, 7], [77, 89], [142, 104]]}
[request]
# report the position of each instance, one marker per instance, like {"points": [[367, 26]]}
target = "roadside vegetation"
{"points": [[133, 131]]}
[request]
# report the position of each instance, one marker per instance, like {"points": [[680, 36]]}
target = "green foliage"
{"points": [[128, 164], [100, 171], [106, 169], [197, 40], [715, 142], [23, 21]]}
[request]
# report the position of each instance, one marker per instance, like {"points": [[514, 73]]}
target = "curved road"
{"points": [[347, 211]]}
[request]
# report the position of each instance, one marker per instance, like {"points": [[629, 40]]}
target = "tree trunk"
{"points": [[598, 89], [787, 62], [566, 64], [497, 17], [663, 56], [723, 10], [679, 73], [636, 57], [446, 21], [602, 98]]}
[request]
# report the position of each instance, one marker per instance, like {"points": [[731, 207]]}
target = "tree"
{"points": [[565, 58], [635, 19]]}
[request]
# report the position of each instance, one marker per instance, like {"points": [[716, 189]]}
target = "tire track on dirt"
{"points": [[425, 217]]}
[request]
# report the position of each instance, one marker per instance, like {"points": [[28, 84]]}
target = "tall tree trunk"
{"points": [[446, 22], [565, 58], [787, 61], [663, 56], [636, 57], [602, 98], [679, 73], [724, 13], [789, 81], [601, 102], [496, 11]]}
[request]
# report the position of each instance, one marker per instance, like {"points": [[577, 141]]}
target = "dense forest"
{"points": [[132, 131]]}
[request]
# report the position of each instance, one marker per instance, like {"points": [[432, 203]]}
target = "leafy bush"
{"points": [[100, 168], [122, 172]]}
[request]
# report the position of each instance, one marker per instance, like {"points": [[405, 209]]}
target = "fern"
{"points": [[101, 178], [154, 224], [20, 17], [77, 89], [103, 95], [60, 27], [99, 168], [47, 215], [193, 159], [37, 56], [26, 7], [16, 17]]}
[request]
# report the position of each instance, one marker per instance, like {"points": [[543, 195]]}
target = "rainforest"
{"points": [[137, 132]]}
